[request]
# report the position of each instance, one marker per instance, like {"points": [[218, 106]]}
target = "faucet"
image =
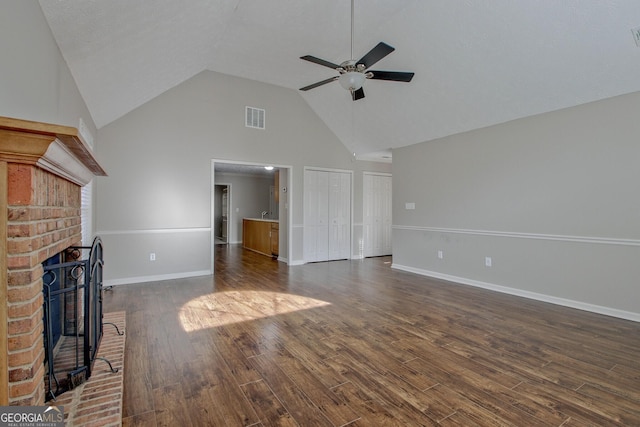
{"points": [[264, 213]]}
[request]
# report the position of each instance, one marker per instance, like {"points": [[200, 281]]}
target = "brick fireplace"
{"points": [[42, 170]]}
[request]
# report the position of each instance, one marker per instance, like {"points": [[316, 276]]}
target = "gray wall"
{"points": [[35, 82], [158, 195], [249, 197], [553, 200]]}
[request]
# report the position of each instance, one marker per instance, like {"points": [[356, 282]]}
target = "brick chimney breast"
{"points": [[42, 170]]}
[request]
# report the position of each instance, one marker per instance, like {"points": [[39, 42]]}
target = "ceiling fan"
{"points": [[352, 73]]}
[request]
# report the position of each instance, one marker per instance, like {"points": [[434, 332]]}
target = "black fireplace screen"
{"points": [[72, 316]]}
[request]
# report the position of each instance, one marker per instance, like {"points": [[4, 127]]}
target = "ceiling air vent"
{"points": [[255, 118]]}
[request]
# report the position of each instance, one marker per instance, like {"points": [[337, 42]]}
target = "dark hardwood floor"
{"points": [[357, 343]]}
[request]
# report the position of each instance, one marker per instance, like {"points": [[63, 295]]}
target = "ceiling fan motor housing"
{"points": [[350, 66], [352, 75]]}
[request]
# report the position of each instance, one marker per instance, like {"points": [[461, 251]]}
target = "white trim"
{"points": [[155, 231], [557, 237], [622, 314], [377, 173], [212, 214], [317, 168], [155, 278], [59, 160]]}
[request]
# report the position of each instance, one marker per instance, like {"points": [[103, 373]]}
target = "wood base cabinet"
{"points": [[275, 238], [260, 236]]}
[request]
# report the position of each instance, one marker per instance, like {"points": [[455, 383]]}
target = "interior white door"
{"points": [[327, 215], [377, 219], [339, 215], [316, 215]]}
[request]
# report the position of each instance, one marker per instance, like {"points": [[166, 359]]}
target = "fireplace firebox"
{"points": [[73, 325]]}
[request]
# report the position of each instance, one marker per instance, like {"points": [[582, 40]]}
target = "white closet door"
{"points": [[327, 215], [316, 215], [377, 220], [339, 215]]}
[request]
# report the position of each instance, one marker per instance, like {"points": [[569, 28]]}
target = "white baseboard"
{"points": [[613, 312], [156, 278]]}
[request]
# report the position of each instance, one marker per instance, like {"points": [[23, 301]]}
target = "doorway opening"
{"points": [[221, 216], [252, 192]]}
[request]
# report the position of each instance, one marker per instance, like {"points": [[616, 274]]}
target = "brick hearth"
{"points": [[98, 402]]}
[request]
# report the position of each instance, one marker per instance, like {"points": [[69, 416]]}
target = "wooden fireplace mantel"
{"points": [[58, 149], [55, 148]]}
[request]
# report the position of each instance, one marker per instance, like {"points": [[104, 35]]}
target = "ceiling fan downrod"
{"points": [[352, 20]]}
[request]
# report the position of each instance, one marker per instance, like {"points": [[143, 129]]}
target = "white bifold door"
{"points": [[377, 215], [327, 215]]}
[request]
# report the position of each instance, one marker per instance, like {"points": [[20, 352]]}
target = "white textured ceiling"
{"points": [[477, 62]]}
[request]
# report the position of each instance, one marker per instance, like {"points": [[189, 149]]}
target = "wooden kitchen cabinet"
{"points": [[258, 235], [275, 235]]}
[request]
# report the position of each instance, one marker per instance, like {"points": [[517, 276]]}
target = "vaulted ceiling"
{"points": [[477, 62]]}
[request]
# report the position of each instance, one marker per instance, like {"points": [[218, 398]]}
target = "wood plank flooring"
{"points": [[356, 343]]}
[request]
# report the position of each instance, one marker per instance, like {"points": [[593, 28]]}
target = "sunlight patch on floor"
{"points": [[209, 311]]}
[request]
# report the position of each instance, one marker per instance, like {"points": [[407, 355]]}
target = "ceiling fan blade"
{"points": [[376, 54], [357, 94], [323, 82], [320, 61], [396, 76]]}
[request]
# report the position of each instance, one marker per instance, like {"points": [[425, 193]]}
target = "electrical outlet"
{"points": [[487, 261], [152, 256], [440, 255]]}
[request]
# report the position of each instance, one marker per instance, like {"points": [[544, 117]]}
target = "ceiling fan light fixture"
{"points": [[351, 80]]}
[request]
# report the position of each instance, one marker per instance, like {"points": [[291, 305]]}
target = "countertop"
{"points": [[264, 220]]}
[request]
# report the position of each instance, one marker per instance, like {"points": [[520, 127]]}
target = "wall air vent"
{"points": [[254, 118]]}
